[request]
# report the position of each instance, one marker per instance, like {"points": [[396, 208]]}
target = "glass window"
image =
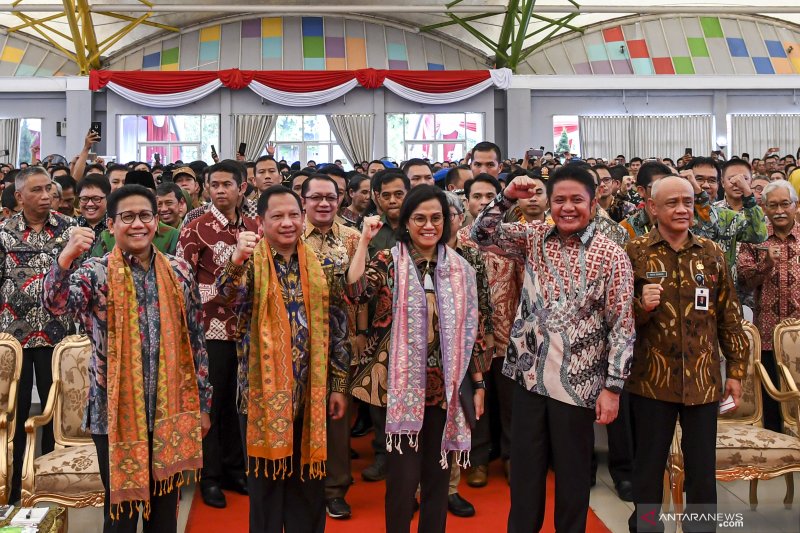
{"points": [[30, 135], [566, 136], [305, 138], [175, 137], [436, 136]]}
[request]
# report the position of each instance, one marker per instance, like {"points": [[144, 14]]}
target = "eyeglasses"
{"points": [[86, 200], [783, 205], [399, 195], [758, 188], [606, 180], [453, 215], [422, 220], [316, 198], [127, 217]]}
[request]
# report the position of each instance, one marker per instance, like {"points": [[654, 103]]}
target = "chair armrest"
{"points": [[775, 394], [787, 377], [11, 417], [30, 445]]}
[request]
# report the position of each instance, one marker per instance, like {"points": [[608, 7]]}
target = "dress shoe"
{"points": [[478, 476], [338, 508], [624, 490], [236, 484], [459, 506], [213, 496], [377, 470], [507, 470], [354, 454], [360, 428]]}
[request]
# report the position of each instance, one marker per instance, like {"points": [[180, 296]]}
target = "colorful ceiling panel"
{"points": [[679, 45]]}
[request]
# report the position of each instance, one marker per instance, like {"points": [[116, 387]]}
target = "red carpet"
{"points": [[491, 504]]}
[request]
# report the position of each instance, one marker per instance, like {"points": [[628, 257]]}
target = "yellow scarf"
{"points": [[177, 438], [270, 410]]}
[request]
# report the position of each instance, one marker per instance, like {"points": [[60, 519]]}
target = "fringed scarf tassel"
{"points": [[281, 468], [393, 441], [116, 510]]}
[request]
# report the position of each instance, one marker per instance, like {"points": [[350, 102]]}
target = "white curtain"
{"points": [[755, 134], [302, 99], [354, 133], [605, 136], [165, 100], [255, 131], [9, 139], [645, 135]]}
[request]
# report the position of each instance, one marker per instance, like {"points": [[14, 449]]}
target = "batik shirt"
{"points": [[249, 209], [727, 227], [505, 281], [774, 285], [351, 219], [207, 243], [574, 328], [98, 228], [610, 229], [82, 292], [25, 259], [483, 359], [235, 285], [620, 208], [676, 357]]}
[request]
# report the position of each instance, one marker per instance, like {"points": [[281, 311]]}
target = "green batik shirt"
{"points": [[727, 227]]}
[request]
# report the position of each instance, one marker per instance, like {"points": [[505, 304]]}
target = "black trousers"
{"points": [[620, 443], [39, 360], [290, 504], [378, 415], [338, 476], [542, 426], [163, 509], [493, 430], [418, 468], [223, 457], [772, 408], [654, 424]]}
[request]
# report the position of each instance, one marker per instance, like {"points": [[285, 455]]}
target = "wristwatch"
{"points": [[479, 385], [364, 332]]}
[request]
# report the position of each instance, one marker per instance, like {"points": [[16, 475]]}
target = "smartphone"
{"points": [[533, 154], [157, 158], [242, 148], [213, 152], [688, 151], [97, 127]]}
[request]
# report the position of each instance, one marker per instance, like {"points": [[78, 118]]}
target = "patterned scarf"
{"points": [[456, 297], [177, 435], [270, 374]]}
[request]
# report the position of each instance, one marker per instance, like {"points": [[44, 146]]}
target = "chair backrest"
{"points": [[786, 343], [71, 368], [10, 370], [750, 404]]}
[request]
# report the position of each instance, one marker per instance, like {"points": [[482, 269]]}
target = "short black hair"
{"points": [[708, 162], [318, 176], [114, 167], [265, 158], [230, 166], [275, 190], [486, 146], [98, 181], [416, 162], [355, 182], [618, 172], [636, 160], [66, 182], [141, 177], [383, 177], [375, 161], [295, 174], [572, 173], [7, 199], [333, 170], [602, 166], [250, 164], [169, 187], [452, 174], [55, 168], [418, 195], [126, 191], [482, 178], [646, 172], [735, 163]]}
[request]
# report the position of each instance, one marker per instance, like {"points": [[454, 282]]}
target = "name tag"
{"points": [[701, 299], [656, 275]]}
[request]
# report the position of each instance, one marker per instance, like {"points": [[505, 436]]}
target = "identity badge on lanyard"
{"points": [[701, 293]]}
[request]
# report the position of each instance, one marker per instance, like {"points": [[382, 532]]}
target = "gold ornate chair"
{"points": [[786, 343], [69, 475], [10, 370], [745, 450]]}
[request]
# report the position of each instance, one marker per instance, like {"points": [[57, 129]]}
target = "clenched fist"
{"points": [[80, 241], [245, 245], [651, 296], [521, 188], [370, 227]]}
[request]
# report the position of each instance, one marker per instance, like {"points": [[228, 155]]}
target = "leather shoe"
{"points": [[625, 490], [338, 508], [213, 496], [354, 454], [459, 506], [377, 470], [360, 428], [237, 484], [478, 476]]}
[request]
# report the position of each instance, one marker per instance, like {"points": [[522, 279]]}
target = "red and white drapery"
{"points": [[297, 88]]}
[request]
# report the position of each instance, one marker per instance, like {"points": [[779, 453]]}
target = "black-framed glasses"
{"points": [[421, 220], [330, 198], [127, 217], [86, 200]]}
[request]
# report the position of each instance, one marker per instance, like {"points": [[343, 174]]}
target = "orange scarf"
{"points": [[270, 411], [177, 435]]}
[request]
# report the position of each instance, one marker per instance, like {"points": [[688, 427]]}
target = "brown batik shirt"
{"points": [[675, 358]]}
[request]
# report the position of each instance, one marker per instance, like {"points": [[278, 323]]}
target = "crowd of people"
{"points": [[248, 318]]}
